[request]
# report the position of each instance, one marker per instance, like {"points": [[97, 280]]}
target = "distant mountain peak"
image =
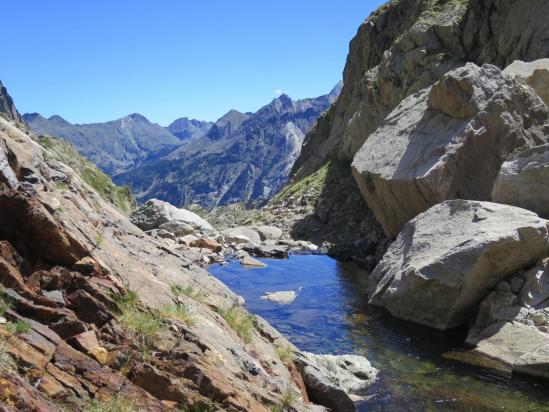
{"points": [[57, 119], [32, 116], [189, 129], [137, 117]]}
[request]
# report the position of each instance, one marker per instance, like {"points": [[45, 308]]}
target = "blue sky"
{"points": [[99, 60]]}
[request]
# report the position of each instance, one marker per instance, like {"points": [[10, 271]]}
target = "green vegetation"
{"points": [[144, 326], [315, 181], [285, 354], [288, 399], [114, 404], [64, 152], [99, 239], [178, 312], [190, 291], [240, 321], [19, 327], [4, 304]]}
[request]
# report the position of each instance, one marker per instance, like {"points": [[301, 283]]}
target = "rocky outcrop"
{"points": [[406, 46], [330, 379], [446, 259], [535, 74], [7, 107], [156, 214], [439, 143], [95, 313], [241, 234], [512, 325], [523, 181]]}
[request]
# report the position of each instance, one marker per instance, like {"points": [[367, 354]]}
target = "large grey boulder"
{"points": [[447, 142], [523, 181], [511, 328], [535, 74], [155, 214], [448, 258], [268, 232], [330, 379], [241, 234]]}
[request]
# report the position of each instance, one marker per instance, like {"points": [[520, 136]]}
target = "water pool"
{"points": [[330, 315]]}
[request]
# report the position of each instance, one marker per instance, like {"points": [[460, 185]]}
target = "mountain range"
{"points": [[114, 146], [240, 157]]}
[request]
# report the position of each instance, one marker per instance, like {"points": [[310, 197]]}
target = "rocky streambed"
{"points": [[420, 369]]}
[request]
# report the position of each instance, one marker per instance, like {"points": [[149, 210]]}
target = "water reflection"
{"points": [[330, 315]]}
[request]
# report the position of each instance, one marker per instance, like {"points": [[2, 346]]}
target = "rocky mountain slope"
{"points": [[113, 146], [243, 157], [189, 129], [7, 108], [96, 314]]}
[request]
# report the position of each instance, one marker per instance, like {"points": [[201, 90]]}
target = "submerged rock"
{"points": [[282, 297], [446, 259], [523, 181], [250, 261], [438, 143]]}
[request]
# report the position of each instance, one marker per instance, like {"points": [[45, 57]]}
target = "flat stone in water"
{"points": [[282, 297]]}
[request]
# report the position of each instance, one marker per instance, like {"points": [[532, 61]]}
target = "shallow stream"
{"points": [[330, 315]]}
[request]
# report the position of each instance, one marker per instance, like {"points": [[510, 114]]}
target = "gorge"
{"points": [[423, 176]]}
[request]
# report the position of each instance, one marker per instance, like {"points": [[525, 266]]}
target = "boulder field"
{"points": [[196, 239]]}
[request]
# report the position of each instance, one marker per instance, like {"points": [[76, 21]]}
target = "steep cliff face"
{"points": [[406, 46], [7, 108]]}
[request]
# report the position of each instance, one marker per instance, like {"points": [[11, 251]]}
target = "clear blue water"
{"points": [[330, 315]]}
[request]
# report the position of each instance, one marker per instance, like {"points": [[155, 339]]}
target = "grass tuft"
{"points": [[178, 312], [115, 404], [143, 325], [286, 354], [19, 327], [240, 321], [190, 291], [288, 398]]}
